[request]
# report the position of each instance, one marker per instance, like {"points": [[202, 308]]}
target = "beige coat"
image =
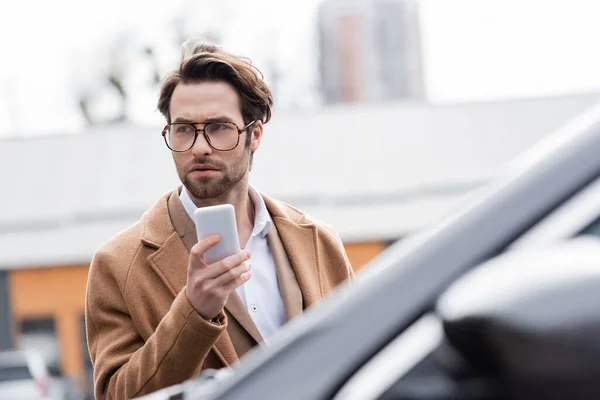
{"points": [[143, 333]]}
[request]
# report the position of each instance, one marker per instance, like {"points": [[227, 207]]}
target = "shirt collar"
{"points": [[262, 219]]}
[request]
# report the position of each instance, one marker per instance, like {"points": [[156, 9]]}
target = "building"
{"points": [[369, 50], [375, 172]]}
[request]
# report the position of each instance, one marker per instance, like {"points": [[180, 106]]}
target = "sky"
{"points": [[62, 48], [472, 49], [487, 49]]}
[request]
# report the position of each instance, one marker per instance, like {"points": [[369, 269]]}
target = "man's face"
{"points": [[208, 173]]}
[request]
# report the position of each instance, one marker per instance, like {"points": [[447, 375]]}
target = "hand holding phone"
{"points": [[216, 265]]}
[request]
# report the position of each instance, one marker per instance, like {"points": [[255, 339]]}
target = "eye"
{"points": [[184, 128], [220, 127]]}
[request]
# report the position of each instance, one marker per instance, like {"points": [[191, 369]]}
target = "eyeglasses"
{"points": [[222, 136]]}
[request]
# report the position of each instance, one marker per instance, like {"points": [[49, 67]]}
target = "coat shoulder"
{"points": [[116, 255], [288, 210], [299, 216]]}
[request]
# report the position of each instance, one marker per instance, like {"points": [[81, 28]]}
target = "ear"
{"points": [[257, 131]]}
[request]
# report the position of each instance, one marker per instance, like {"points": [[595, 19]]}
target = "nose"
{"points": [[201, 147]]}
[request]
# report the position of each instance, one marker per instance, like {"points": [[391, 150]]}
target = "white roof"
{"points": [[375, 171]]}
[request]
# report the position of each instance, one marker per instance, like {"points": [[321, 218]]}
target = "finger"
{"points": [[221, 267], [235, 283], [199, 249], [231, 274]]}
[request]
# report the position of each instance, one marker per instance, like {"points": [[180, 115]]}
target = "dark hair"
{"points": [[203, 62]]}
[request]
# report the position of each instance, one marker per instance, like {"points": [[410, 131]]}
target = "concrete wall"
{"points": [[376, 171]]}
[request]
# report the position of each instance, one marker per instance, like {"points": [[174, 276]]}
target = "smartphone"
{"points": [[220, 220]]}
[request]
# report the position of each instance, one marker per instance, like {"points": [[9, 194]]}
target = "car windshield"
{"points": [[12, 373]]}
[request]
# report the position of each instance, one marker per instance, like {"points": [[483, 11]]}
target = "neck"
{"points": [[238, 196]]}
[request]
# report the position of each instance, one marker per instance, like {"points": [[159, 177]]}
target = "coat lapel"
{"points": [[288, 285], [187, 231], [170, 261], [299, 241]]}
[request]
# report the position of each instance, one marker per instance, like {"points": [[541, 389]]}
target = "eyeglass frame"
{"points": [[240, 131]]}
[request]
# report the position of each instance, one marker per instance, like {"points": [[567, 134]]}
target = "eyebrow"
{"points": [[220, 118]]}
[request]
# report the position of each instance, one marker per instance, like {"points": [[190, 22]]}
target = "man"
{"points": [[156, 313]]}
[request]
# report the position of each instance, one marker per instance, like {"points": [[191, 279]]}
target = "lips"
{"points": [[203, 167], [203, 171]]}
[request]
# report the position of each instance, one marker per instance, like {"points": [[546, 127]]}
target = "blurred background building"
{"points": [[369, 50], [388, 113]]}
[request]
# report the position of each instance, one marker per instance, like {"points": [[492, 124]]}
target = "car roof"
{"points": [[25, 358], [13, 357]]}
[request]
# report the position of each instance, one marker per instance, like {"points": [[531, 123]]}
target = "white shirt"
{"points": [[261, 294]]}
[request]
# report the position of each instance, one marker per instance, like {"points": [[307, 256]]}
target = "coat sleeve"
{"points": [[126, 366]]}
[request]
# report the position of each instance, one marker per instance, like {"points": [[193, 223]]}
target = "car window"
{"points": [[592, 229], [568, 220], [11, 373]]}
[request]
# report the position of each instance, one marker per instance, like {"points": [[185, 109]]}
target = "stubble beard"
{"points": [[207, 188]]}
